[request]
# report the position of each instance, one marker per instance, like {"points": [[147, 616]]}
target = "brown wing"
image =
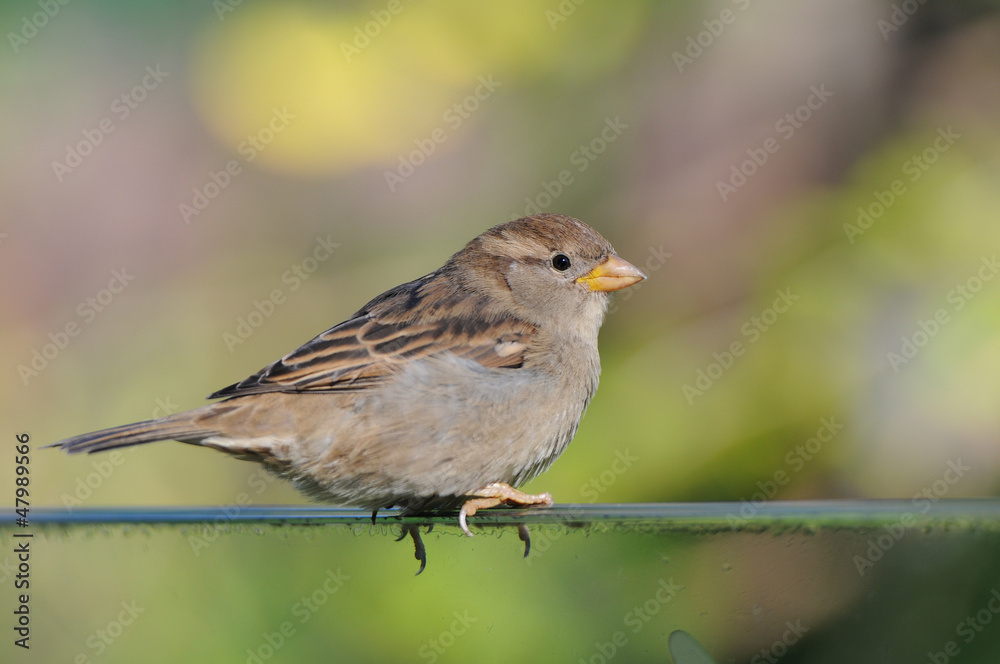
{"points": [[418, 319]]}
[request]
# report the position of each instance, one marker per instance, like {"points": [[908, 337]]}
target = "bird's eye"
{"points": [[561, 262]]}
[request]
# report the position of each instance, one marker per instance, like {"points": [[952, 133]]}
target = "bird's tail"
{"points": [[182, 427]]}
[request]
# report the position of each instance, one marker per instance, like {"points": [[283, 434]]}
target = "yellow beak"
{"points": [[611, 275]]}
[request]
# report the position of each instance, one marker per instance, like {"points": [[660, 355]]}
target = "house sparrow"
{"points": [[448, 390]]}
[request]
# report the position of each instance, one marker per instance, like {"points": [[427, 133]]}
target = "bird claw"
{"points": [[495, 494], [490, 495], [419, 552], [524, 536], [461, 517]]}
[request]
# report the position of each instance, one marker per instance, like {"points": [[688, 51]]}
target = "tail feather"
{"points": [[149, 431]]}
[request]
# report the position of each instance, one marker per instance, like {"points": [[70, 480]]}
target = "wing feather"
{"points": [[416, 320]]}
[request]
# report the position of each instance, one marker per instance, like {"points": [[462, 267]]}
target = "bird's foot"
{"points": [[419, 552], [498, 493]]}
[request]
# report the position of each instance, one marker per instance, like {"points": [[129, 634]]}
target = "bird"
{"points": [[448, 391]]}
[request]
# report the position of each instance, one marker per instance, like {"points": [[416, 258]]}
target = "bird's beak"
{"points": [[611, 275]]}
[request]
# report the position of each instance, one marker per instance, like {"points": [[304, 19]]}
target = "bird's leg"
{"points": [[419, 552], [495, 494]]}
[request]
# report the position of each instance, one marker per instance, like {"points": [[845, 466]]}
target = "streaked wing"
{"points": [[415, 320]]}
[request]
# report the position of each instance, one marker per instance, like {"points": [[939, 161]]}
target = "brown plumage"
{"points": [[455, 387]]}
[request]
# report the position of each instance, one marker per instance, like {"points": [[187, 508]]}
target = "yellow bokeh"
{"points": [[360, 87]]}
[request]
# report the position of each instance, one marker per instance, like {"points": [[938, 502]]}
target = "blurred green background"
{"points": [[191, 190]]}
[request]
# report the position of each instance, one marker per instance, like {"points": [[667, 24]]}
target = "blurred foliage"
{"points": [[403, 130]]}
